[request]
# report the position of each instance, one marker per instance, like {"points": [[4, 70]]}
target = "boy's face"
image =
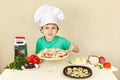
{"points": [[49, 31]]}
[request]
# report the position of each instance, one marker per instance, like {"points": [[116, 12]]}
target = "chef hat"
{"points": [[48, 14]]}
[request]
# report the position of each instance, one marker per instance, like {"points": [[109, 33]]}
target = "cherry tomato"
{"points": [[36, 60], [107, 65]]}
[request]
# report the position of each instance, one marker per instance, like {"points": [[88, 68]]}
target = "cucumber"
{"points": [[98, 66]]}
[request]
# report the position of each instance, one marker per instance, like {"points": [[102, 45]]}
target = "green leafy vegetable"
{"points": [[17, 63]]}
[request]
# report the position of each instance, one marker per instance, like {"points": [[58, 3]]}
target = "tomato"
{"points": [[33, 59], [32, 56], [107, 65], [65, 54], [36, 60], [29, 60], [48, 55]]}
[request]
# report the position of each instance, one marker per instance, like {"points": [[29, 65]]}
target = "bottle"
{"points": [[20, 47]]}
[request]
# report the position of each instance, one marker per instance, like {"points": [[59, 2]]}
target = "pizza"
{"points": [[53, 54]]}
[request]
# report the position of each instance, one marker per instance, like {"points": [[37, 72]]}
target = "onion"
{"points": [[93, 59]]}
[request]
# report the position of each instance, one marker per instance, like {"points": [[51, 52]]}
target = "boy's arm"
{"points": [[74, 48]]}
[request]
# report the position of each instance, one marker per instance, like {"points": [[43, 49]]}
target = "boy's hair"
{"points": [[48, 24]]}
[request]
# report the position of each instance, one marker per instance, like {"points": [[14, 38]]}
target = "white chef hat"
{"points": [[48, 14]]}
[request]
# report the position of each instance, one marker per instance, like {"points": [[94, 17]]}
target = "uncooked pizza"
{"points": [[53, 54]]}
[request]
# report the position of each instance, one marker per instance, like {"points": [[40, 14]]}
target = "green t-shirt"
{"points": [[57, 42]]}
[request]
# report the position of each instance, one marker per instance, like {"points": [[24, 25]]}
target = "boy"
{"points": [[48, 17]]}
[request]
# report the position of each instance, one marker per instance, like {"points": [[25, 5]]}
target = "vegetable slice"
{"points": [[93, 59], [102, 60]]}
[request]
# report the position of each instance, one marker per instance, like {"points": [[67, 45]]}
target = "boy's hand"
{"points": [[74, 48]]}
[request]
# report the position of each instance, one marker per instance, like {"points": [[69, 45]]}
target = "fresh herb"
{"points": [[17, 63]]}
